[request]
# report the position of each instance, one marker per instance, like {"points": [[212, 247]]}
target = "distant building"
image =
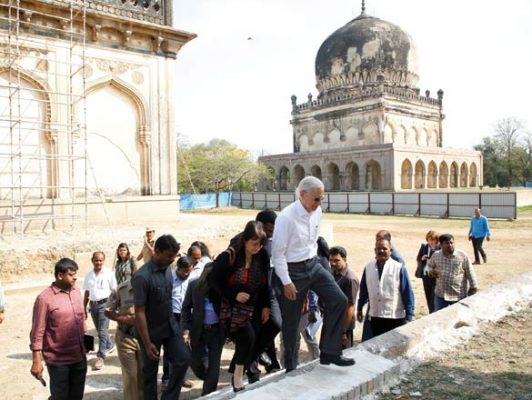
{"points": [[369, 128]]}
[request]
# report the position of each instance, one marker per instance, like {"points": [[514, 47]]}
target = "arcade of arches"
{"points": [[368, 175]]}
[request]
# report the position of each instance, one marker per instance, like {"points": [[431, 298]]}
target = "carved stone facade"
{"points": [[92, 92], [369, 128]]}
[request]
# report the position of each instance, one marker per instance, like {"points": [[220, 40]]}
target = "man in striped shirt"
{"points": [[455, 276]]}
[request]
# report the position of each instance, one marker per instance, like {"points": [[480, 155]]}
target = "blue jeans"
{"points": [[67, 381], [101, 323], [440, 303]]}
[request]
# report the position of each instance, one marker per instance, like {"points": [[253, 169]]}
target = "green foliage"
{"points": [[217, 166], [507, 154]]}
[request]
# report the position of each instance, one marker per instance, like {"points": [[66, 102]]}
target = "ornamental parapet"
{"points": [[364, 93], [154, 11]]}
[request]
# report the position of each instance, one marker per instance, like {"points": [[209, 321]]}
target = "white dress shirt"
{"points": [[294, 238], [100, 286]]}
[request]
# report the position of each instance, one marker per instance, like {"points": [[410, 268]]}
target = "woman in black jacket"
{"points": [[239, 284], [425, 252]]}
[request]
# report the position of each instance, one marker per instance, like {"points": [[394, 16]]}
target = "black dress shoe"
{"points": [[235, 389], [341, 361]]}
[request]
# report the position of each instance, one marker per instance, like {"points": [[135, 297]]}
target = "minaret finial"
{"points": [[363, 8]]}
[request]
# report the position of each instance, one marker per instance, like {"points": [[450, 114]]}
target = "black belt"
{"points": [[211, 326], [295, 264], [97, 302]]}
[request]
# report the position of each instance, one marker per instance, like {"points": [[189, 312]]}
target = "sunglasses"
{"points": [[319, 199]]}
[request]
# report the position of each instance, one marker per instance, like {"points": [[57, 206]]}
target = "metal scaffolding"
{"points": [[31, 186]]}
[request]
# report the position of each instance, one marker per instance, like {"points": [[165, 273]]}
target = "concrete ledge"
{"points": [[381, 360]]}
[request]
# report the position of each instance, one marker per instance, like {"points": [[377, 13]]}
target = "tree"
{"points": [[507, 153], [507, 134], [217, 166]]}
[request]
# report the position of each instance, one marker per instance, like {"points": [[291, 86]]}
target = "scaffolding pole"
{"points": [[30, 167]]}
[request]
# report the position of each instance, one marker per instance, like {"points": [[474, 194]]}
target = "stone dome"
{"points": [[364, 51]]}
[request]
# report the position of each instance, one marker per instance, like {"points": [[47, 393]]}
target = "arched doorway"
{"points": [[454, 175], [26, 141], [420, 175], [463, 175], [432, 178], [299, 173], [444, 175], [119, 133], [373, 175], [284, 178], [473, 175], [406, 174], [333, 177], [352, 178], [316, 171]]}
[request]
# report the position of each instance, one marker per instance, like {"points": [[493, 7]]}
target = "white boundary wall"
{"points": [[436, 204]]}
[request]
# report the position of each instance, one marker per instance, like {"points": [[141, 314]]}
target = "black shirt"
{"points": [[152, 288]]}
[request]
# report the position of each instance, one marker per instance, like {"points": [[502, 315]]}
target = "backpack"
{"points": [[203, 281]]}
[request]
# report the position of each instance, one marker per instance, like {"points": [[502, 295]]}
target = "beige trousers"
{"points": [[131, 359]]}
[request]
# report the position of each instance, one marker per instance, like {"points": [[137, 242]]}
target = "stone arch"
{"points": [[371, 133], [421, 137], [298, 173], [373, 175], [143, 114], [352, 176], [444, 175], [334, 138], [433, 141], [406, 174], [318, 141], [426, 138], [38, 142], [473, 175], [333, 177], [284, 178], [412, 136], [303, 143], [402, 136], [389, 133], [453, 181], [143, 129], [316, 171], [269, 181], [419, 180], [351, 136], [432, 178], [463, 175]]}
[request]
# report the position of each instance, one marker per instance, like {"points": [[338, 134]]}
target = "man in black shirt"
{"points": [[348, 283], [156, 324]]}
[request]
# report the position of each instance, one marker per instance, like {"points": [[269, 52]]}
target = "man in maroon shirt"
{"points": [[57, 333]]}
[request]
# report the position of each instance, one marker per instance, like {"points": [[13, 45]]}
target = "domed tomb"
{"points": [[366, 50]]}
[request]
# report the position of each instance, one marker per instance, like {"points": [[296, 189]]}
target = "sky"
{"points": [[234, 81]]}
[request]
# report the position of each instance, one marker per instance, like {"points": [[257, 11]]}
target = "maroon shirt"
{"points": [[58, 326]]}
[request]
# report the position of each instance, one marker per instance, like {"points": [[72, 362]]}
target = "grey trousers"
{"points": [[311, 275]]}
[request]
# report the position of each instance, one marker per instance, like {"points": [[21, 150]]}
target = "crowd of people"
{"points": [[277, 277]]}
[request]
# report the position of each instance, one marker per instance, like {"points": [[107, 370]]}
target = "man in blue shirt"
{"points": [[478, 230]]}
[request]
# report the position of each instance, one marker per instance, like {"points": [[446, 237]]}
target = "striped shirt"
{"points": [[455, 272]]}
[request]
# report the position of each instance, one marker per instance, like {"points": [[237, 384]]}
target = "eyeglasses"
{"points": [[319, 199]]}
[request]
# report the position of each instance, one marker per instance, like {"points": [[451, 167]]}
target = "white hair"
{"points": [[307, 184]]}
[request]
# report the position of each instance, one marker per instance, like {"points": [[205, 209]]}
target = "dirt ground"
{"points": [[26, 265], [495, 364]]}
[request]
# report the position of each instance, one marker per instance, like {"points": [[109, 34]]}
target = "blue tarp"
{"points": [[208, 200]]}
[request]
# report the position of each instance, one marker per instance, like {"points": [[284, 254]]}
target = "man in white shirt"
{"points": [[98, 285], [294, 256]]}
